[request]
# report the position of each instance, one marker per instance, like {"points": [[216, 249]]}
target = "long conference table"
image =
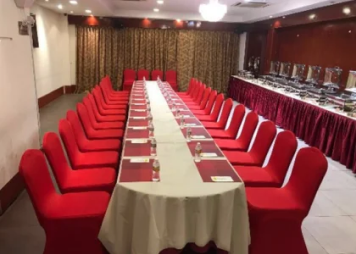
{"points": [[333, 132], [194, 202]]}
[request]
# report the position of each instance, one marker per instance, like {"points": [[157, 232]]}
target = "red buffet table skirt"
{"points": [[333, 134]]}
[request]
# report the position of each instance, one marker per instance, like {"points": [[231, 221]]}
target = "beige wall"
{"points": [[73, 53], [18, 102], [242, 50], [52, 60]]}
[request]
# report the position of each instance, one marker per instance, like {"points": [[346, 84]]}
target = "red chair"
{"points": [[80, 160], [221, 124], [68, 180], [99, 99], [155, 74], [273, 174], [191, 84], [195, 94], [243, 141], [209, 105], [198, 99], [143, 74], [203, 102], [256, 156], [71, 221], [213, 116], [88, 119], [171, 78], [85, 144], [91, 107], [231, 132], [105, 112], [276, 214], [129, 79], [113, 100], [106, 82]]}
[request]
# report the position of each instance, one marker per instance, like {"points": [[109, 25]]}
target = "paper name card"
{"points": [[140, 160], [138, 104], [186, 116], [139, 141], [198, 136], [139, 99], [139, 117], [139, 128], [190, 124], [222, 179], [208, 155], [140, 110]]}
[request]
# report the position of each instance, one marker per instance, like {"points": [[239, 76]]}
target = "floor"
{"points": [[330, 227]]}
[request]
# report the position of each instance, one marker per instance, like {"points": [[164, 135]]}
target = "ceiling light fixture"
{"points": [[160, 2], [88, 11], [46, 0], [312, 16], [156, 10], [73, 2], [346, 10], [284, 17], [71, 12], [178, 20], [213, 11], [60, 6]]}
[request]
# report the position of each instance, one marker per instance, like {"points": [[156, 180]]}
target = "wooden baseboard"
{"points": [[10, 192], [44, 100]]}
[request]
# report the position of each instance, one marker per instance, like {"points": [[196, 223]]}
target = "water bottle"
{"points": [[151, 130], [189, 134], [148, 108], [177, 113], [198, 151], [148, 102], [153, 147], [173, 107], [155, 171], [182, 122]]}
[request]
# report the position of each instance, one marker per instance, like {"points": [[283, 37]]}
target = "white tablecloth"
{"points": [[148, 217]]}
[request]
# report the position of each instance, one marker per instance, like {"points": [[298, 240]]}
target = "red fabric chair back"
{"points": [[282, 154], [68, 138], [248, 130], [74, 121], [87, 118], [308, 172], [195, 88], [236, 120], [97, 94], [191, 85], [197, 91], [33, 169], [203, 102], [129, 75], [225, 113], [171, 76], [143, 73], [155, 74], [212, 98], [200, 94], [264, 138], [53, 149], [217, 107], [91, 106]]}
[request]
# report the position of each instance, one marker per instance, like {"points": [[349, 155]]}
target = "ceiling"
{"points": [[183, 9]]}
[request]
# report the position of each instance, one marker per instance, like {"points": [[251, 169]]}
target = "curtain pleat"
{"points": [[209, 56]]}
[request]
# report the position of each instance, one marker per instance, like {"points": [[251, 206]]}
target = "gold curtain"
{"points": [[209, 56]]}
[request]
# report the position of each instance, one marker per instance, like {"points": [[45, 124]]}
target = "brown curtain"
{"points": [[209, 56]]}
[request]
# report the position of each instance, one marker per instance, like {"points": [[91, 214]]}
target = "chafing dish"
{"points": [[332, 79]]}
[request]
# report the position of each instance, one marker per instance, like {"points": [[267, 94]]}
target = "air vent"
{"points": [[251, 4]]}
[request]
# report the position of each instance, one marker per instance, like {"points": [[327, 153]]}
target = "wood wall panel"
{"points": [[327, 44], [256, 44]]}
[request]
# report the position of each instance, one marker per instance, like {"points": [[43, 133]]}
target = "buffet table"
{"points": [[331, 131], [189, 204]]}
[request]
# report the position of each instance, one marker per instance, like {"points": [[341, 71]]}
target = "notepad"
{"points": [[139, 117], [190, 124], [139, 99], [198, 136], [140, 160], [139, 110], [138, 104], [139, 141], [139, 128], [208, 155], [222, 179]]}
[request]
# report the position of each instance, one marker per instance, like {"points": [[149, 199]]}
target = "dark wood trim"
{"points": [[69, 89], [10, 192], [44, 100]]}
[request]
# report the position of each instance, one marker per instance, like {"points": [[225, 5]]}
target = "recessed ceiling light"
{"points": [[349, 31], [346, 10], [284, 17], [160, 2], [178, 20], [270, 16], [60, 6], [312, 16], [71, 12], [88, 11], [73, 2], [46, 0], [156, 10]]}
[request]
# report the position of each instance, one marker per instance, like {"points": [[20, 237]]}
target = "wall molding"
{"points": [[10, 192], [46, 99]]}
